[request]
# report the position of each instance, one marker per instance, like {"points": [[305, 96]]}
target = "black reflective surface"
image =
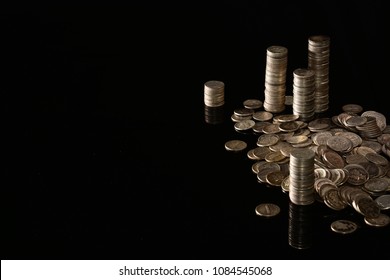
{"points": [[111, 153]]}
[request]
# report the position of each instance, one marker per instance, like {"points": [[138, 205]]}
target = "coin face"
{"points": [[253, 104], [235, 145], [267, 209], [383, 201], [352, 108], [357, 174], [343, 226], [244, 125], [380, 221]]}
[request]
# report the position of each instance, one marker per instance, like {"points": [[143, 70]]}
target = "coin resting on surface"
{"points": [[253, 103], [267, 209], [343, 226], [235, 145], [380, 221]]}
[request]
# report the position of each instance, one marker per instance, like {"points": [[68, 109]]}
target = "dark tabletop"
{"points": [[109, 155]]}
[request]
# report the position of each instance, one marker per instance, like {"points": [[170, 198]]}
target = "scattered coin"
{"points": [[352, 108], [380, 221], [343, 226], [253, 104], [383, 201], [244, 125], [235, 145], [267, 209]]}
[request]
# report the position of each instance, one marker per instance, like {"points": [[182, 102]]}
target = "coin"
{"points": [[286, 118], [267, 209], [275, 178], [380, 118], [333, 159], [262, 116], [357, 174], [333, 200], [339, 143], [244, 125], [366, 206], [352, 108], [383, 201], [253, 104], [377, 158], [267, 140], [343, 226], [235, 145], [380, 221]]}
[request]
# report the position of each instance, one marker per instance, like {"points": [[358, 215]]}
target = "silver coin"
{"points": [[244, 125], [380, 221], [253, 104], [383, 201], [267, 209], [235, 145], [343, 226]]}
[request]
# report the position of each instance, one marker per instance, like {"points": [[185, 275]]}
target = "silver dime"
{"points": [[244, 125], [343, 226], [383, 201], [253, 104], [380, 221], [235, 145], [267, 209]]}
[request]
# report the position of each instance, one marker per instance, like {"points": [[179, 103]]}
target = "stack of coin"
{"points": [[318, 61], [300, 232], [214, 93], [304, 86], [275, 79], [302, 177]]}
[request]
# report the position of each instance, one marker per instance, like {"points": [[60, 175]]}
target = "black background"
{"points": [[108, 155]]}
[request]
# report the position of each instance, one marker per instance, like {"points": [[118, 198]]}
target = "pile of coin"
{"points": [[214, 93], [301, 178], [318, 61], [275, 79], [304, 94], [327, 159]]}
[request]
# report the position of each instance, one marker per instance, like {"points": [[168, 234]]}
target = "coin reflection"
{"points": [[300, 233], [213, 115]]}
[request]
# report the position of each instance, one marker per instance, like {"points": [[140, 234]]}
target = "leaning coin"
{"points": [[383, 201], [276, 178], [380, 221], [267, 209], [235, 145], [343, 226]]}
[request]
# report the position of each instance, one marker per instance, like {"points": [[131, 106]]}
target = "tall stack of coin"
{"points": [[275, 79], [318, 61], [302, 177], [214, 93], [304, 86]]}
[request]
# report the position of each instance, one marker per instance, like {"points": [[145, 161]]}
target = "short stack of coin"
{"points": [[318, 61], [214, 93], [275, 79], [304, 86], [302, 177]]}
